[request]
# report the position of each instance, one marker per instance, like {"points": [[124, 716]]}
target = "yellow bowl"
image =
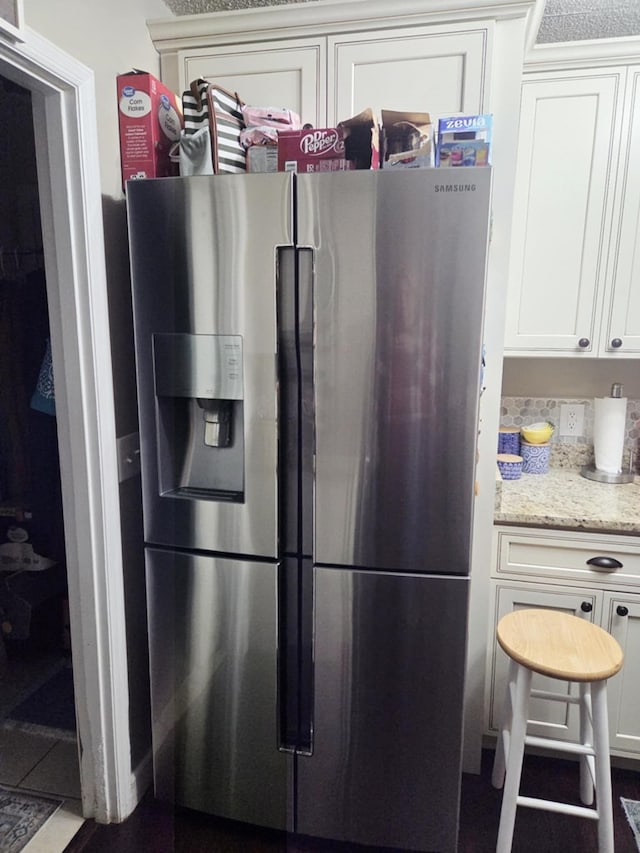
{"points": [[537, 433]]}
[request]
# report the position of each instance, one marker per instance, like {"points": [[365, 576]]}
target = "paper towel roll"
{"points": [[609, 421]]}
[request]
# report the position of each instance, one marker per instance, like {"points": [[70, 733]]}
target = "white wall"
{"points": [[110, 37]]}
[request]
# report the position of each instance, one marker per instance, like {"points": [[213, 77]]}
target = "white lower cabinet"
{"points": [[608, 597], [548, 719], [621, 617]]}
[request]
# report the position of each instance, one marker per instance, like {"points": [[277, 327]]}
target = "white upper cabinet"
{"points": [[440, 70], [621, 327], [576, 207], [289, 74], [561, 205], [329, 61]]}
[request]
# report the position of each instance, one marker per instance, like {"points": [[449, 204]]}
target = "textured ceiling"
{"points": [[575, 20], [563, 20]]}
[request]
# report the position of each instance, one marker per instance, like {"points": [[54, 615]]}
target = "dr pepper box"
{"points": [[350, 145], [150, 118], [318, 149]]}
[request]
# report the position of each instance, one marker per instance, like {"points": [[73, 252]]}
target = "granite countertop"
{"points": [[564, 499]]}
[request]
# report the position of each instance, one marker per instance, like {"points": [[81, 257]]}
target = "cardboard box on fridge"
{"points": [[150, 119], [407, 140], [353, 144], [362, 140]]}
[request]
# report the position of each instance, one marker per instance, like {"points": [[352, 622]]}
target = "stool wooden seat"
{"points": [[559, 645], [564, 647]]}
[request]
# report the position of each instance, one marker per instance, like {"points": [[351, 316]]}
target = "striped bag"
{"points": [[227, 123], [195, 107]]}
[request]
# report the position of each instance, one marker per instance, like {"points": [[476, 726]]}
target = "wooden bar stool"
{"points": [[571, 649]]}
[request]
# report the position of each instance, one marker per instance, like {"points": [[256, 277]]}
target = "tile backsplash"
{"points": [[568, 451]]}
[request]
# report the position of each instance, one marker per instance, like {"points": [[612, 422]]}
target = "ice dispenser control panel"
{"points": [[199, 393], [207, 367]]}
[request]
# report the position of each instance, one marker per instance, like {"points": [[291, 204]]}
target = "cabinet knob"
{"points": [[616, 343], [621, 610], [586, 607], [607, 564], [583, 343]]}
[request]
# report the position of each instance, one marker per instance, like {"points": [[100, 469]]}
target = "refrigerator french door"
{"points": [[308, 357]]}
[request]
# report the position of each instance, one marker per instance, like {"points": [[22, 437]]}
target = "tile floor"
{"points": [[40, 764]]}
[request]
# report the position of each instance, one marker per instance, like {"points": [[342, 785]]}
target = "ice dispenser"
{"points": [[199, 411]]}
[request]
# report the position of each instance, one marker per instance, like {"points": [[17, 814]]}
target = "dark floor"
{"points": [[154, 828]]}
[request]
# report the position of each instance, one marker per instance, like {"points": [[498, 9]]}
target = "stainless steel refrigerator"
{"points": [[308, 355]]}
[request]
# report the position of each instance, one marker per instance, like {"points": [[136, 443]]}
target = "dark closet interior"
{"points": [[33, 579]]}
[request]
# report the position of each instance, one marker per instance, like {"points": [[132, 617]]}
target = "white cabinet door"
{"points": [[567, 158], [621, 332], [288, 74], [621, 617], [548, 719], [439, 70]]}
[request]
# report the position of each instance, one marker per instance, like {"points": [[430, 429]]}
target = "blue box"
{"points": [[464, 141]]}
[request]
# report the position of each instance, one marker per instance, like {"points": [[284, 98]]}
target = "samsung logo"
{"points": [[455, 188]]}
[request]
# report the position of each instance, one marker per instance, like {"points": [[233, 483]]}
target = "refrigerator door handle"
{"points": [[305, 314], [306, 436], [295, 657], [296, 405], [295, 487]]}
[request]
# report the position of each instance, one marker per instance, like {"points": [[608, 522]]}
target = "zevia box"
{"points": [[464, 141], [150, 119]]}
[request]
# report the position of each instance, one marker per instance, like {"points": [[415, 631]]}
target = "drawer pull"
{"points": [[607, 564], [621, 610], [586, 607]]}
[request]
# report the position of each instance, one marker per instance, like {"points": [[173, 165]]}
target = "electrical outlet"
{"points": [[572, 419]]}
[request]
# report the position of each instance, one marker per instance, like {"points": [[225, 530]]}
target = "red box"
{"points": [[312, 150], [150, 118], [351, 145]]}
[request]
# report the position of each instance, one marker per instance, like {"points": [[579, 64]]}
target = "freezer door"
{"points": [[213, 638], [204, 263], [398, 298], [389, 670]]}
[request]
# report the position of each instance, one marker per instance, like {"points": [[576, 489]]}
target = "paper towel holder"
{"points": [[592, 473]]}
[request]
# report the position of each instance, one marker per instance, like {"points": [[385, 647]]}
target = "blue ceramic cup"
{"points": [[535, 457], [510, 466], [509, 440]]}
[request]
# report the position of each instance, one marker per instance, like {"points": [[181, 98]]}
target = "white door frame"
{"points": [[64, 112]]}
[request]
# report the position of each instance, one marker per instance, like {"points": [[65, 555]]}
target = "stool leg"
{"points": [[603, 769], [514, 759], [586, 738], [504, 733]]}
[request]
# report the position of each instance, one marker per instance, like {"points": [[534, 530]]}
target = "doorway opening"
{"points": [[36, 676], [66, 148]]}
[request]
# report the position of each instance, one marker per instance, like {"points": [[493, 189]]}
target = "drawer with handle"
{"points": [[604, 560]]}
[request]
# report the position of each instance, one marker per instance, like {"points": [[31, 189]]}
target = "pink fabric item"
{"points": [[270, 117]]}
